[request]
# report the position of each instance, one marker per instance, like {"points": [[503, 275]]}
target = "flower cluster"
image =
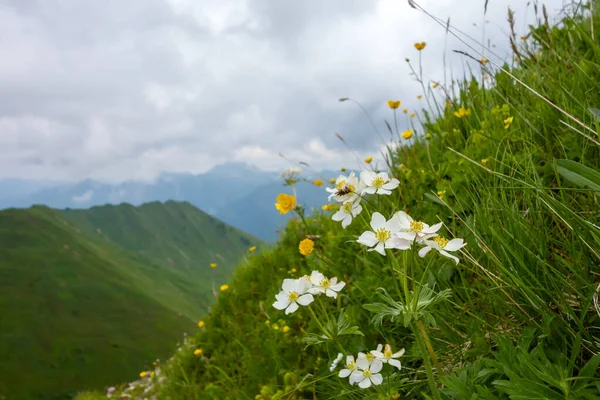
{"points": [[365, 369], [349, 190], [299, 292], [401, 231]]}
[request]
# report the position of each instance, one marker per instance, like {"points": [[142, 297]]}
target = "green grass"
{"points": [[522, 318], [81, 309]]}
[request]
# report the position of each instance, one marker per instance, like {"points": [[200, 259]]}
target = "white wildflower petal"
{"points": [[356, 376], [305, 299], [432, 228], [404, 220], [376, 366], [344, 373], [399, 353], [362, 362], [380, 248], [423, 252], [378, 354], [316, 277], [339, 216], [281, 305], [391, 185], [378, 221], [406, 235], [395, 363], [365, 383], [455, 244], [377, 379], [445, 253], [292, 307], [288, 285], [368, 239], [337, 286], [369, 190]]}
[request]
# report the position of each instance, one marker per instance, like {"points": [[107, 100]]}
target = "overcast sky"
{"points": [[124, 89]]}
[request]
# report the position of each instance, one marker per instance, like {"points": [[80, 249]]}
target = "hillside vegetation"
{"points": [[511, 169], [90, 296]]}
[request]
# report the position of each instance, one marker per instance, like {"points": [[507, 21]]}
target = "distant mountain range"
{"points": [[91, 297], [237, 193]]}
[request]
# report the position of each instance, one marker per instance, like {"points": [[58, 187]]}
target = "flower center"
{"points": [[340, 184], [416, 226], [293, 296], [348, 207], [370, 357], [350, 188], [367, 373], [442, 242], [325, 283], [378, 182], [387, 353], [383, 235], [351, 366]]}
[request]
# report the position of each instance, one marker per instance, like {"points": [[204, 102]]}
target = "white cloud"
{"points": [[84, 197], [120, 90]]}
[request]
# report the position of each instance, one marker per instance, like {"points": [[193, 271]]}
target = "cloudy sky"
{"points": [[124, 89]]}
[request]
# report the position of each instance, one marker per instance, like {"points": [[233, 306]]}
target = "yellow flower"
{"points": [[507, 122], [343, 169], [252, 248], [405, 111], [485, 161], [420, 96], [407, 134], [448, 104], [332, 181], [152, 373], [483, 60], [420, 45], [462, 112], [441, 194], [369, 159], [224, 287], [435, 85], [143, 374], [294, 270], [197, 352], [318, 182], [285, 203], [326, 207], [275, 326], [201, 324], [412, 115], [394, 104], [306, 247], [285, 329], [213, 265]]}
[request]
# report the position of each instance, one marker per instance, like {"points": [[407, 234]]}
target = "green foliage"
{"points": [[522, 321], [81, 309]]}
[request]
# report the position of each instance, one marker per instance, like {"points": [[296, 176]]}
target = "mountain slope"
{"points": [[79, 309]]}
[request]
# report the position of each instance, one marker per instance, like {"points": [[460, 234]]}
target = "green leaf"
{"points": [[578, 174], [435, 199]]}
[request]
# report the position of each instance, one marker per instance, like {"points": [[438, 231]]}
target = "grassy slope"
{"points": [[78, 311], [521, 321], [175, 236]]}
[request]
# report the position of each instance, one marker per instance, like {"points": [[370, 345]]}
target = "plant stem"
{"points": [[427, 362], [318, 322], [425, 339]]}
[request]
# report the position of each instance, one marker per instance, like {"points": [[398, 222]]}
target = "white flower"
{"points": [[443, 246], [367, 373], [350, 367], [336, 362], [378, 183], [347, 211], [321, 284], [294, 292], [346, 188], [387, 356], [383, 235], [411, 229]]}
